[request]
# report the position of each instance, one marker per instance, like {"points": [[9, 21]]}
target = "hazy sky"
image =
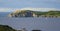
{"points": [[29, 3]]}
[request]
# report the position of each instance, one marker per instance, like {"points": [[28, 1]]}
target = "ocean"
{"points": [[32, 23], [44, 24]]}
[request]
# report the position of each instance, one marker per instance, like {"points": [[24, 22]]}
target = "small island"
{"points": [[30, 13]]}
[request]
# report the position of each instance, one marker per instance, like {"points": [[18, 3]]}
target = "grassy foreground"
{"points": [[6, 28]]}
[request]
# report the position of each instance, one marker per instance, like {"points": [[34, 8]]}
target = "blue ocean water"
{"points": [[30, 23], [4, 14]]}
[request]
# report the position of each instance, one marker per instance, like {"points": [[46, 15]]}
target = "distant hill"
{"points": [[53, 13], [35, 13]]}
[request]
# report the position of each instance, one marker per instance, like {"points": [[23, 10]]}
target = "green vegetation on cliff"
{"points": [[53, 13]]}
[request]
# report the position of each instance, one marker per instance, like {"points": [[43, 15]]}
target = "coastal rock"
{"points": [[29, 13], [22, 13]]}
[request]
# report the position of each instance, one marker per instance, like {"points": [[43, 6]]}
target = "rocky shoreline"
{"points": [[29, 13]]}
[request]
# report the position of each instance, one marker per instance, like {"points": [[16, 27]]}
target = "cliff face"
{"points": [[6, 28], [22, 13]]}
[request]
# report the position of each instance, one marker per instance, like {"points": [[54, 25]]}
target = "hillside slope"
{"points": [[6, 28]]}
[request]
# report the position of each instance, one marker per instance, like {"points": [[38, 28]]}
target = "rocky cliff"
{"points": [[29, 13], [22, 13]]}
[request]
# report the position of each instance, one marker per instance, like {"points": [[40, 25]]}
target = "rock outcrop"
{"points": [[29, 13], [22, 13]]}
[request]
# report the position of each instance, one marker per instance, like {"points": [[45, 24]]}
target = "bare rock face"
{"points": [[22, 13]]}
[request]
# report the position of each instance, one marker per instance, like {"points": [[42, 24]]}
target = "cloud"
{"points": [[5, 9], [33, 9], [29, 3], [40, 9]]}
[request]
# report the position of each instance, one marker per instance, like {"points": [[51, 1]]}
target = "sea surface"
{"points": [[32, 23]]}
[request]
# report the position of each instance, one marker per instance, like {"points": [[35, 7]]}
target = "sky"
{"points": [[8, 5]]}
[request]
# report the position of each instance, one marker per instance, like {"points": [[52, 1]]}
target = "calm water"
{"points": [[44, 24]]}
